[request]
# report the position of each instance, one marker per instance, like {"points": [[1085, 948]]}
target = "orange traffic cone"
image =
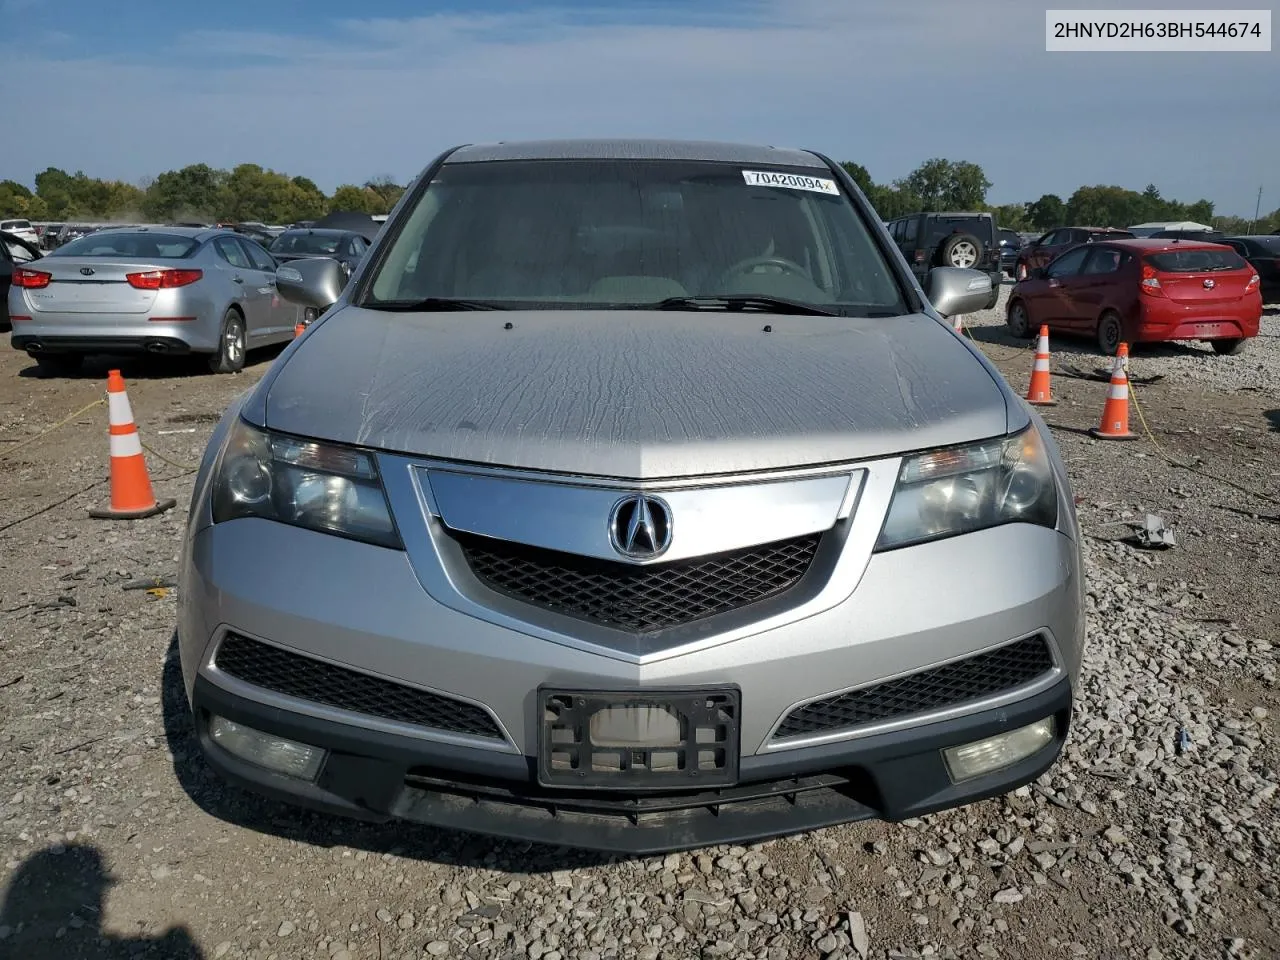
{"points": [[957, 324], [1115, 415], [131, 495], [298, 328], [1039, 393]]}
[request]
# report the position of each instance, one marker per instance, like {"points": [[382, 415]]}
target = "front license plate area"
{"points": [[614, 740]]}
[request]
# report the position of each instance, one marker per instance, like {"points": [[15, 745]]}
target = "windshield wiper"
{"points": [[431, 305], [735, 301]]}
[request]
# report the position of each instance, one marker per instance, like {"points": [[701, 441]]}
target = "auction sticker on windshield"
{"points": [[792, 181]]}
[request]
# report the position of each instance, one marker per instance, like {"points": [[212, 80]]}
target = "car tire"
{"points": [[1110, 333], [962, 250], [58, 364], [995, 297], [1228, 346], [230, 354], [1018, 321]]}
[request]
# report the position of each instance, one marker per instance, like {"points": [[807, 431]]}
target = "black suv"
{"points": [[969, 240]]}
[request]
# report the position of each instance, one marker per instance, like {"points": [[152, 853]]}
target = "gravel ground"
{"points": [[1156, 836]]}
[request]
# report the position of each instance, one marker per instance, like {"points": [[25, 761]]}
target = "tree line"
{"points": [[195, 193], [940, 184], [202, 193]]}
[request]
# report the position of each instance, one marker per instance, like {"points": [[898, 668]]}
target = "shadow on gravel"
{"points": [[241, 808], [1273, 418], [135, 367], [53, 911]]}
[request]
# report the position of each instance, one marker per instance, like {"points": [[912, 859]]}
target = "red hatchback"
{"points": [[1142, 291]]}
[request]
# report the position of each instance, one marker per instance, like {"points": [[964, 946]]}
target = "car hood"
{"points": [[641, 394]]}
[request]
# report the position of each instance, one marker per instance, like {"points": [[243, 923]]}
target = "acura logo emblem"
{"points": [[640, 527]]}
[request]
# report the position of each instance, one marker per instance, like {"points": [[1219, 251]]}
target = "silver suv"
{"points": [[633, 496]]}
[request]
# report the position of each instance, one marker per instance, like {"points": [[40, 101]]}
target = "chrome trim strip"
{"points": [[614, 483], [773, 743], [249, 691], [435, 560], [575, 518]]}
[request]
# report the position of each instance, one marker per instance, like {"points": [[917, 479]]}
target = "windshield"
{"points": [[318, 244], [146, 245], [525, 234]]}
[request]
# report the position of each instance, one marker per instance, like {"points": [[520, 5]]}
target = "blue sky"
{"points": [[343, 91]]}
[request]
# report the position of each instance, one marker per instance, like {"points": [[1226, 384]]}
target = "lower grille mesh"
{"points": [[294, 675], [954, 684], [638, 599]]}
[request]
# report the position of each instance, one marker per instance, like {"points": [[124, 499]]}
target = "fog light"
{"points": [[289, 757], [975, 759]]}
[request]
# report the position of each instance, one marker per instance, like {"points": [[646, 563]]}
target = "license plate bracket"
{"points": [[627, 740]]}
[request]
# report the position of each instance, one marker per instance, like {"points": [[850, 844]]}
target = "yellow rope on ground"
{"points": [[1189, 467], [173, 463], [1164, 454], [61, 423], [83, 410]]}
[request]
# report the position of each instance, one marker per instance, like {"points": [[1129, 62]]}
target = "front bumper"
{"points": [[382, 776], [378, 619]]}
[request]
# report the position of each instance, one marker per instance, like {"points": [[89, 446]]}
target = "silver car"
{"points": [[161, 290], [632, 496]]}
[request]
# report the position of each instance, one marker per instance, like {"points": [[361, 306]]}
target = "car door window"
{"points": [[1101, 261], [18, 253], [260, 259], [1049, 239], [231, 252], [1067, 265], [911, 230]]}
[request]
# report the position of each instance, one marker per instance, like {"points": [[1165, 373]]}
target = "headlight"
{"points": [[321, 487], [962, 489]]}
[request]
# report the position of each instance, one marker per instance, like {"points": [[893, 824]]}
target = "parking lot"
{"points": [[1156, 836]]}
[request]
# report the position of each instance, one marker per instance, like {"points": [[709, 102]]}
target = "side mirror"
{"points": [[314, 282], [955, 290]]}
